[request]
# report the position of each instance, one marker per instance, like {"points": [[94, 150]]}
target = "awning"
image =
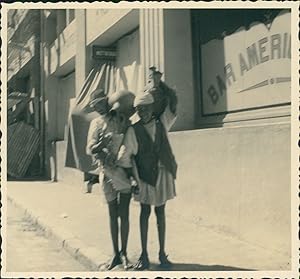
{"points": [[81, 116]]}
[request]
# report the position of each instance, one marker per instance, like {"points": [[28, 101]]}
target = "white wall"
{"points": [[128, 75], [237, 180], [104, 26], [65, 95], [67, 175], [62, 51]]}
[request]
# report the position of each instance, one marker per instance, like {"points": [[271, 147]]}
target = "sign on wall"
{"points": [[103, 53], [249, 68]]}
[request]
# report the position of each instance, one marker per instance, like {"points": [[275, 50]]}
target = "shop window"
{"points": [[243, 61]]}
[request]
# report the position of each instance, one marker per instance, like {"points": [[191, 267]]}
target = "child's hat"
{"points": [[122, 101]]}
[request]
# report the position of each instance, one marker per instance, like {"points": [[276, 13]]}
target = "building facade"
{"points": [[23, 79], [233, 80]]}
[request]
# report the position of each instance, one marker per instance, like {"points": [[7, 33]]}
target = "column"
{"points": [[151, 40], [35, 77], [49, 85], [81, 54], [178, 67], [166, 42]]}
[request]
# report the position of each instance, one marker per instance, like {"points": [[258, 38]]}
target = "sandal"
{"points": [[125, 261], [142, 263], [116, 260], [164, 262]]}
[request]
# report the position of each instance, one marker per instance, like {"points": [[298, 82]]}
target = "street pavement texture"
{"points": [[28, 249], [80, 223]]}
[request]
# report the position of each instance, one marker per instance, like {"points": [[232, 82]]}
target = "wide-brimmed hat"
{"points": [[122, 101], [97, 96]]}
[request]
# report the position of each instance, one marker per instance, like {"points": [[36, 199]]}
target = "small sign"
{"points": [[103, 53]]}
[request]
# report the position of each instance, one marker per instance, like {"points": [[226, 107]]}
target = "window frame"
{"points": [[238, 116]]}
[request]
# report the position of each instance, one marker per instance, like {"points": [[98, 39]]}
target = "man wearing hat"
{"points": [[147, 142], [98, 102], [103, 143]]}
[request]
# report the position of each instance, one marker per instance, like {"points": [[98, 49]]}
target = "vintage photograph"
{"points": [[143, 139]]}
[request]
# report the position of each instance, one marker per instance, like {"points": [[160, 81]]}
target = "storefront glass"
{"points": [[243, 60]]}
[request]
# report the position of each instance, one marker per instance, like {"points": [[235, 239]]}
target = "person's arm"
{"points": [[168, 117], [128, 149], [92, 138], [96, 141], [170, 96]]}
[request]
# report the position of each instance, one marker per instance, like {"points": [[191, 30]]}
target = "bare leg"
{"points": [[161, 228], [144, 220], [124, 215], [113, 220], [114, 232], [143, 261]]}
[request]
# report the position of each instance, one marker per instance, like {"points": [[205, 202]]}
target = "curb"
{"points": [[87, 256]]}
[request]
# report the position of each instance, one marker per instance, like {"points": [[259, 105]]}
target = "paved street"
{"points": [[29, 250]]}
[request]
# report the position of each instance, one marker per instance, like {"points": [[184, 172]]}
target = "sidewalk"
{"points": [[80, 222]]}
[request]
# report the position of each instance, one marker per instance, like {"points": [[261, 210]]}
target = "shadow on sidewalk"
{"points": [[197, 267], [184, 267]]}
